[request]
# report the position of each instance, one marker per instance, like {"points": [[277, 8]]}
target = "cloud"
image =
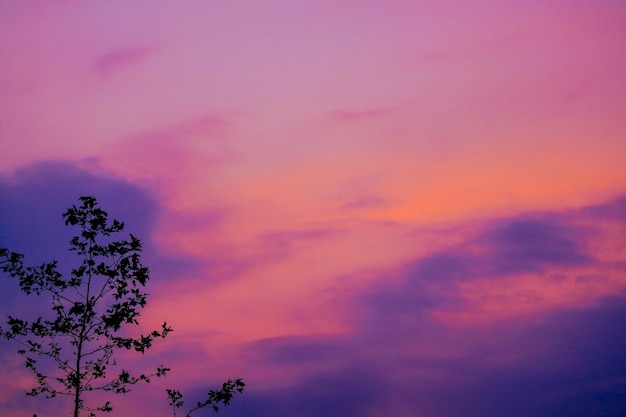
{"points": [[297, 350], [401, 359], [614, 210], [565, 360], [365, 202], [531, 243], [517, 265], [116, 59], [510, 246], [181, 153], [280, 243], [356, 115], [345, 392], [503, 248], [567, 363], [33, 198]]}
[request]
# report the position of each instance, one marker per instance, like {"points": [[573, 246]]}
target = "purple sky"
{"points": [[405, 208]]}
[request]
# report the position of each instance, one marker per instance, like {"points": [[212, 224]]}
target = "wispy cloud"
{"points": [[116, 59], [363, 203], [169, 154], [355, 115]]}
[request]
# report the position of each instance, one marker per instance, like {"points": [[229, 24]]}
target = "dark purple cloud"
{"points": [[530, 244], [296, 350], [505, 247], [400, 360], [344, 392], [568, 363], [613, 210], [33, 199]]}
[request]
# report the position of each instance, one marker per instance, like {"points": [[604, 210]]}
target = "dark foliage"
{"points": [[102, 295]]}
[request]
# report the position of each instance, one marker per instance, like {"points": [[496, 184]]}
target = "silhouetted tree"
{"points": [[100, 297]]}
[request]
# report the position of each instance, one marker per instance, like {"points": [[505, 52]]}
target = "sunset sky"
{"points": [[363, 208]]}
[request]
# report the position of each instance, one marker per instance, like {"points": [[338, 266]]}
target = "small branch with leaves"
{"points": [[215, 398]]}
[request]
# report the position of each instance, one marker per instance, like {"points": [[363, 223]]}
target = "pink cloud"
{"points": [[116, 59], [171, 153], [353, 115]]}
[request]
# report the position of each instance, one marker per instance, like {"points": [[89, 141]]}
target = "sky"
{"points": [[363, 208]]}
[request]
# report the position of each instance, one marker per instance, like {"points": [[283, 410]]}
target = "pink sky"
{"points": [[317, 178]]}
